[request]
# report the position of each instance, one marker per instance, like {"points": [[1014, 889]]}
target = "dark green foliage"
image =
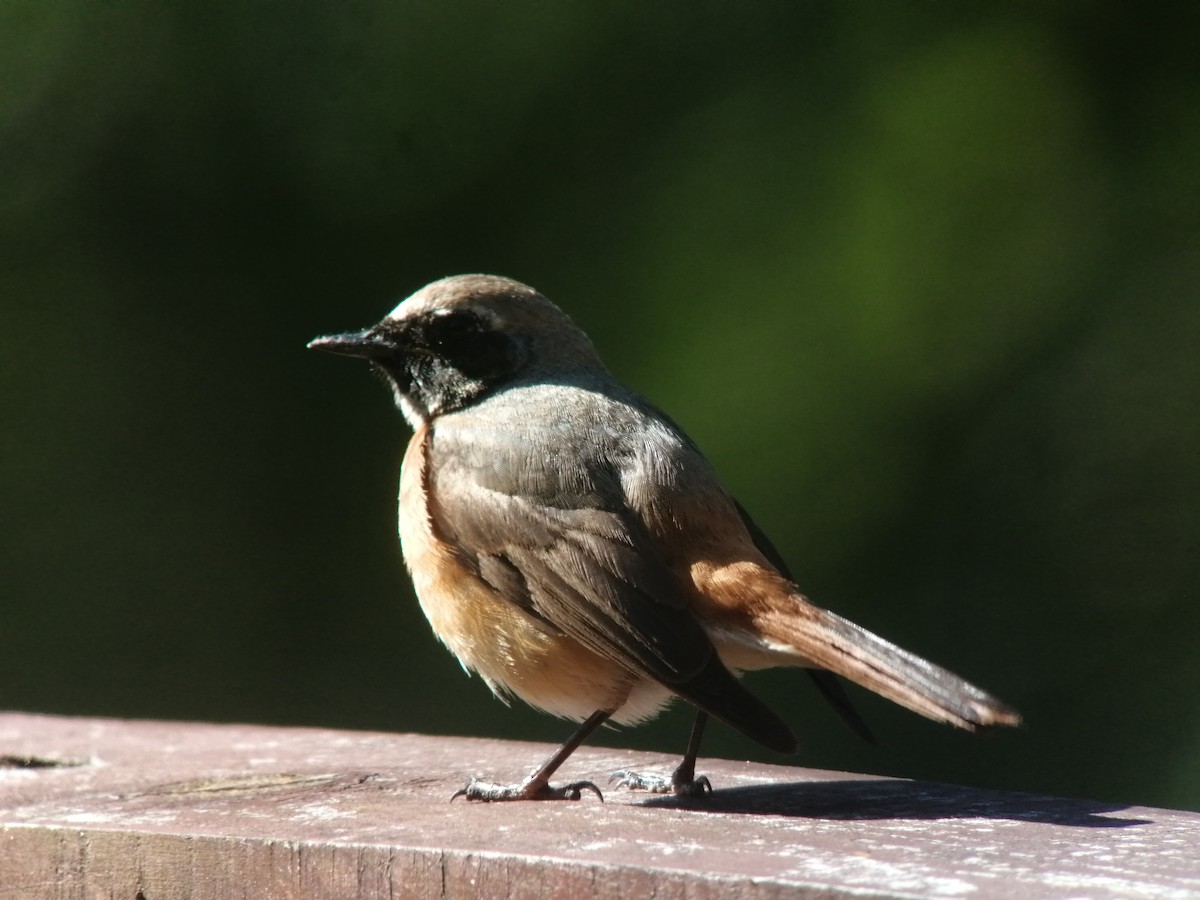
{"points": [[921, 279]]}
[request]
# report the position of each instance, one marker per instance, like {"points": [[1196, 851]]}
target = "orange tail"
{"points": [[831, 642]]}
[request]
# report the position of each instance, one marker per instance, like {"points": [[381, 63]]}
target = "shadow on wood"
{"points": [[860, 800]]}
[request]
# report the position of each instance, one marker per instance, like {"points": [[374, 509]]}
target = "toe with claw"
{"points": [[661, 784], [529, 789]]}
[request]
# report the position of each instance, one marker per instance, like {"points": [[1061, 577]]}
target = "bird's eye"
{"points": [[450, 326], [472, 343]]}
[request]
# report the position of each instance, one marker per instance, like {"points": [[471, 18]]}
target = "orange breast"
{"points": [[488, 634]]}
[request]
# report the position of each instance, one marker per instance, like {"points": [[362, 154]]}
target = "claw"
{"points": [[572, 791]]}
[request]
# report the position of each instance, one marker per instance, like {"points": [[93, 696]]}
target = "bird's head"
{"points": [[462, 337]]}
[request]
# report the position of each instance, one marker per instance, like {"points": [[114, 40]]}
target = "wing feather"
{"points": [[580, 563]]}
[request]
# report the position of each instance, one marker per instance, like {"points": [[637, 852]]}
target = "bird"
{"points": [[571, 545]]}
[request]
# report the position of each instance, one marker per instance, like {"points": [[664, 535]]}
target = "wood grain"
{"points": [[153, 810]]}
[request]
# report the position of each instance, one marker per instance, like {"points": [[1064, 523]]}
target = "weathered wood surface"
{"points": [[154, 810]]}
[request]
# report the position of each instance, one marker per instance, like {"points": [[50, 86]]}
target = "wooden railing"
{"points": [[139, 810]]}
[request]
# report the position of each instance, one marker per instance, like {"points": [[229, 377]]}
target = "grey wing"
{"points": [[559, 543]]}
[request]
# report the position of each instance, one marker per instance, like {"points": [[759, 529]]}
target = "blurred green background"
{"points": [[921, 278]]}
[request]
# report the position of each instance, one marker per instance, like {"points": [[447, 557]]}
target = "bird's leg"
{"points": [[537, 786], [683, 781]]}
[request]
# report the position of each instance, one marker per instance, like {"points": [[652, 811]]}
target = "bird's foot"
{"points": [[680, 786], [530, 789]]}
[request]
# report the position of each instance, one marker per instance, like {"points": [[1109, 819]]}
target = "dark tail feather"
{"points": [[716, 691], [826, 683], [831, 689]]}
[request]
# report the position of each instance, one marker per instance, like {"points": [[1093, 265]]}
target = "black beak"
{"points": [[367, 344]]}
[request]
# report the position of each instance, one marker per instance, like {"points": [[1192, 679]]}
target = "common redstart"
{"points": [[569, 543]]}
